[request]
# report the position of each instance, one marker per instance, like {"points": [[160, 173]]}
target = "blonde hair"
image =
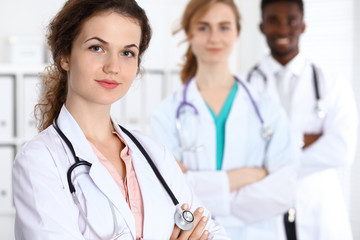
{"points": [[194, 10]]}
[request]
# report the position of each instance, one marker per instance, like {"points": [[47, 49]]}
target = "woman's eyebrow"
{"points": [[97, 38], [132, 45], [106, 43]]}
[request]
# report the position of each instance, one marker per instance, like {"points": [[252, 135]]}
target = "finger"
{"points": [[205, 235], [185, 207], [197, 215], [199, 228], [175, 233]]}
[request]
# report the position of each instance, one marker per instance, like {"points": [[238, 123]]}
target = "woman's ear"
{"points": [[65, 63]]}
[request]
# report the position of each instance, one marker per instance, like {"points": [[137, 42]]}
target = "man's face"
{"points": [[282, 24]]}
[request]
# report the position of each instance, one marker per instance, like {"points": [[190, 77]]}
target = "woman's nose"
{"points": [[112, 64], [214, 36]]}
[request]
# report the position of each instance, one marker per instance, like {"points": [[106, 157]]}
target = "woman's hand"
{"points": [[197, 232], [241, 177]]}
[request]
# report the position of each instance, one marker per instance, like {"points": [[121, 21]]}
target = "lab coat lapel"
{"points": [[73, 132], [98, 172], [154, 211], [270, 67], [194, 96], [150, 189], [239, 117], [206, 157], [108, 186]]}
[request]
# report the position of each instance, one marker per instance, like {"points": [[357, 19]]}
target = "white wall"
{"points": [[355, 177], [252, 44], [24, 18]]}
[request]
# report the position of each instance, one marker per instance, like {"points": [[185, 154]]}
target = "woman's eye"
{"points": [[224, 28], [203, 28], [128, 54], [96, 48]]}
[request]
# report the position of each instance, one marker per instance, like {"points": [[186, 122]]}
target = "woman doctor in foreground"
{"points": [[83, 176], [235, 147]]}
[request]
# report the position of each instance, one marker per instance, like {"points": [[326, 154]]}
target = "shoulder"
{"points": [[149, 144], [331, 80], [264, 104], [45, 143], [158, 153], [263, 100], [168, 106], [40, 158], [145, 139]]}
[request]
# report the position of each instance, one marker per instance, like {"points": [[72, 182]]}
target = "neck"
{"points": [[216, 76], [283, 60], [93, 119]]}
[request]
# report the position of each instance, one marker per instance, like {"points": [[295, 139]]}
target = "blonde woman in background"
{"points": [[235, 148]]}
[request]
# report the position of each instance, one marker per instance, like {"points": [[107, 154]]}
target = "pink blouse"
{"points": [[129, 186]]}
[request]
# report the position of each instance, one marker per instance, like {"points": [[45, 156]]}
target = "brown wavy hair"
{"points": [[62, 31], [194, 10]]}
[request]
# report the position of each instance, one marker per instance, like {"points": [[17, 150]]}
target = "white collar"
{"points": [[296, 65]]}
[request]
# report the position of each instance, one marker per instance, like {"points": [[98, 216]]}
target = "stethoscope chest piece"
{"points": [[266, 133], [184, 219], [320, 109]]}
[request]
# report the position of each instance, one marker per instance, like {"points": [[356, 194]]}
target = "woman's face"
{"points": [[214, 34], [103, 60]]}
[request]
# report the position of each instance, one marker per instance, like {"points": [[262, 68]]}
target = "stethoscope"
{"points": [[184, 219], [319, 106], [265, 130]]}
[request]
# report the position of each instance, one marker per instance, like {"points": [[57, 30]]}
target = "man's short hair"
{"points": [[267, 2]]}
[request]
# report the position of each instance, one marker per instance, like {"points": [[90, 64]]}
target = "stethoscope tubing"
{"points": [[184, 103], [152, 165], [252, 100], [77, 163], [319, 106], [181, 216]]}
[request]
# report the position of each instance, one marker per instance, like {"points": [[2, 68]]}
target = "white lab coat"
{"points": [[45, 208], [321, 210], [250, 212]]}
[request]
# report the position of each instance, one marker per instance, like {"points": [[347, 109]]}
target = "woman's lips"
{"points": [[108, 84], [214, 49]]}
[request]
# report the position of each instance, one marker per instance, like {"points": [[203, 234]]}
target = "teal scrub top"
{"points": [[220, 122]]}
